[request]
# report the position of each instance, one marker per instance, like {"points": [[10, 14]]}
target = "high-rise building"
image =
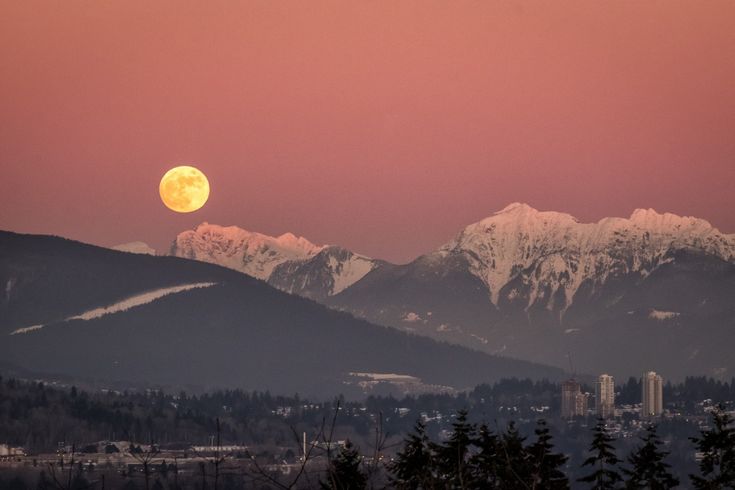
{"points": [[573, 401], [652, 395], [605, 396]]}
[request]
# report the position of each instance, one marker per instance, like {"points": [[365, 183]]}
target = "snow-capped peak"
{"points": [[551, 251], [135, 248], [250, 252], [288, 262], [515, 206]]}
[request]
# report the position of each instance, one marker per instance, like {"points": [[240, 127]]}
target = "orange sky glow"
{"points": [[384, 127]]}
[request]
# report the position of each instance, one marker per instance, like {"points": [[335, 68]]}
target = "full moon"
{"points": [[184, 189]]}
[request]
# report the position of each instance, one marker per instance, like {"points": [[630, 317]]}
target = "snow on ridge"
{"points": [[385, 376], [135, 248], [250, 252], [263, 257], [563, 253], [124, 305]]}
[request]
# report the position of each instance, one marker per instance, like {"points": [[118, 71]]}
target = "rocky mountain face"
{"points": [[292, 264], [543, 258], [651, 291], [253, 253], [327, 273]]}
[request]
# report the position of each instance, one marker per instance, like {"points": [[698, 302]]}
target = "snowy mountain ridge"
{"points": [[522, 255], [552, 254], [135, 248], [253, 253], [290, 263]]}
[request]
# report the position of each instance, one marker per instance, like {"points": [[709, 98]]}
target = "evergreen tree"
{"points": [[514, 470], [486, 461], [649, 470], [413, 466], [717, 446], [546, 465], [452, 456], [603, 461], [345, 472]]}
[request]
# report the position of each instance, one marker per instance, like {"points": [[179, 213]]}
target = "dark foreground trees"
{"points": [[479, 458], [467, 456], [476, 457], [345, 471], [602, 461], [648, 468], [716, 447]]}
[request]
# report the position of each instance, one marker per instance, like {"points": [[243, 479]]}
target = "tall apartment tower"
{"points": [[573, 401], [652, 395], [605, 396]]}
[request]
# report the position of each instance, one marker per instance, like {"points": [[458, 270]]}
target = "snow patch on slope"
{"points": [[411, 317], [135, 248], [663, 315], [347, 273], [126, 304]]}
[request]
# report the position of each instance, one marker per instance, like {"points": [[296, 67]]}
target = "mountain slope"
{"points": [[114, 316], [327, 273], [536, 284]]}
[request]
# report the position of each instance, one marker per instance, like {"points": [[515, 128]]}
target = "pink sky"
{"points": [[381, 126]]}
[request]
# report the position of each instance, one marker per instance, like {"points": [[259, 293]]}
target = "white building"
{"points": [[652, 388], [605, 396]]}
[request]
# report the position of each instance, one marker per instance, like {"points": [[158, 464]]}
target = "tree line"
{"points": [[479, 457]]}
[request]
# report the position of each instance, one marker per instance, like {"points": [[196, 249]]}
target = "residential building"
{"points": [[605, 396], [573, 401], [652, 395]]}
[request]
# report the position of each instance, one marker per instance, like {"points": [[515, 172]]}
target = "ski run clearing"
{"points": [[126, 304]]}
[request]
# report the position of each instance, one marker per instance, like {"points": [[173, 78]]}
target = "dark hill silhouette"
{"points": [[239, 333]]}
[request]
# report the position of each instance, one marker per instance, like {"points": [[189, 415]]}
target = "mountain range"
{"points": [[652, 291], [126, 319]]}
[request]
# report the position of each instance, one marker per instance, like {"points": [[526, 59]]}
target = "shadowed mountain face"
{"points": [[653, 291], [622, 295], [679, 319], [88, 312]]}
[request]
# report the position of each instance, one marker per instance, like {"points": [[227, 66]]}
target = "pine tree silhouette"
{"points": [[485, 463], [413, 467], [717, 447], [649, 470], [345, 472], [546, 465], [603, 461], [514, 468], [452, 457]]}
